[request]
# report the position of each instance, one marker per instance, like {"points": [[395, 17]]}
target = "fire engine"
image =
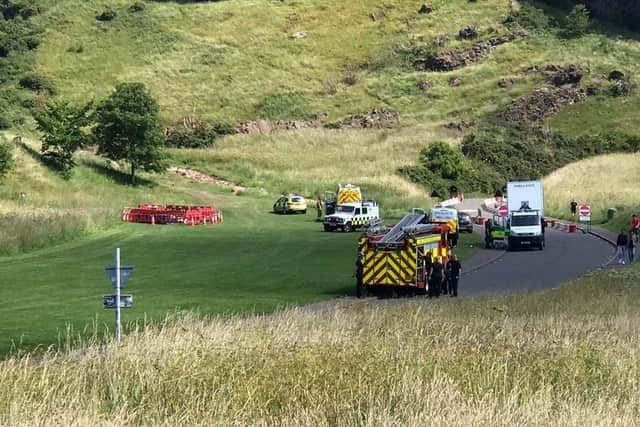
{"points": [[393, 258]]}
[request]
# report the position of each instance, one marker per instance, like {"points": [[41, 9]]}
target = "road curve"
{"points": [[566, 257]]}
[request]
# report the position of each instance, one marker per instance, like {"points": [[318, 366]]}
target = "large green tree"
{"points": [[63, 128], [128, 128]]}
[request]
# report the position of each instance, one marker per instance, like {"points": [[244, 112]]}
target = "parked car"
{"points": [[290, 203], [465, 223]]}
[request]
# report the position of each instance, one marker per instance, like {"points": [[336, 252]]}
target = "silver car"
{"points": [[465, 223]]}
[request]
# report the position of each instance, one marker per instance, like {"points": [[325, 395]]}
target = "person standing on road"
{"points": [[635, 226], [631, 248], [621, 244], [574, 208], [453, 270]]}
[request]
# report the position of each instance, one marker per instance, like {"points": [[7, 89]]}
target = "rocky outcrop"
{"points": [[455, 59], [425, 8], [270, 126], [542, 103], [376, 119]]}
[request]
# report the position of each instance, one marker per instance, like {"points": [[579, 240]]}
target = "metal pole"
{"points": [[117, 294]]}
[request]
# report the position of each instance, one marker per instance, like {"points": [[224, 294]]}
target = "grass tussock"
{"points": [[567, 357]]}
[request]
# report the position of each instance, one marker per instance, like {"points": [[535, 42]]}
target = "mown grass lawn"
{"points": [[254, 262]]}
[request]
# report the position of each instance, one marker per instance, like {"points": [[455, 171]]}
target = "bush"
{"points": [[108, 15], [621, 87], [351, 75], [37, 83], [285, 106], [491, 158], [6, 158], [528, 17], [577, 21], [442, 160]]}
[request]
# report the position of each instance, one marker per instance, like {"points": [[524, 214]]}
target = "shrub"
{"points": [[107, 15], [351, 75], [6, 158], [37, 83], [577, 21], [442, 160], [285, 106], [528, 17], [621, 87], [330, 85]]}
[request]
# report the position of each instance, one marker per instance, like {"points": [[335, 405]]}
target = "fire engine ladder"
{"points": [[397, 233]]}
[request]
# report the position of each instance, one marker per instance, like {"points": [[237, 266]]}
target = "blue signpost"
{"points": [[118, 275]]}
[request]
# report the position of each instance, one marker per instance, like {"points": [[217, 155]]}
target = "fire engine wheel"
{"points": [[347, 228]]}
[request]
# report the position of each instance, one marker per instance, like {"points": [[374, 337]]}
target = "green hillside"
{"points": [[345, 91]]}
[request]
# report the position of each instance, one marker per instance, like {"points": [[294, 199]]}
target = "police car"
{"points": [[351, 216]]}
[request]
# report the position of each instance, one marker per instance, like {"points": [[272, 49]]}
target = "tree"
{"points": [[577, 21], [64, 132], [128, 128], [6, 158], [442, 160]]}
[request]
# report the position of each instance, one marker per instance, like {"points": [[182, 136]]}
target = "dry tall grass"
{"points": [[569, 357], [602, 182], [314, 160]]}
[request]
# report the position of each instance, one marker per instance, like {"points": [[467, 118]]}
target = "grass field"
{"points": [[254, 262], [564, 357], [602, 182]]}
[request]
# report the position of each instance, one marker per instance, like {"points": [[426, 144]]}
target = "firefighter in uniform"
{"points": [[435, 281], [453, 269], [359, 274]]}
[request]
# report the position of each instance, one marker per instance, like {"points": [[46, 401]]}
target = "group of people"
{"points": [[626, 242], [442, 278]]}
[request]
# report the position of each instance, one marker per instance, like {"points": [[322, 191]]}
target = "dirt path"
{"points": [[202, 177]]}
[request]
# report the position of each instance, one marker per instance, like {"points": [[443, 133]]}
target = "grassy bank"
{"points": [[602, 182], [565, 357]]}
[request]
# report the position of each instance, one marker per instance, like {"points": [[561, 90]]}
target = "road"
{"points": [[566, 257]]}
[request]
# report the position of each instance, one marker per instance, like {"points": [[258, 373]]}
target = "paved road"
{"points": [[567, 256]]}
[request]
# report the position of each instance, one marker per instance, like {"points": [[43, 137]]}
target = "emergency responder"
{"points": [[435, 281], [487, 233], [453, 270], [359, 274], [319, 209], [427, 264]]}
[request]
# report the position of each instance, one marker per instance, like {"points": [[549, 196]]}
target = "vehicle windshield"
{"points": [[524, 220], [347, 209], [296, 199]]}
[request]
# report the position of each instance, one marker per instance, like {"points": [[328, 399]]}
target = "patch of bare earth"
{"points": [[204, 178]]}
